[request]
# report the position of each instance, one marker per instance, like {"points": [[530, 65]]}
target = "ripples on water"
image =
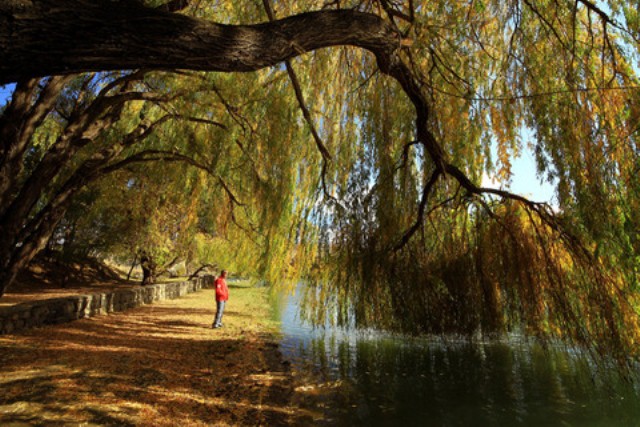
{"points": [[400, 381]]}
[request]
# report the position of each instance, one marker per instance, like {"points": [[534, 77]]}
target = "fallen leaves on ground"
{"points": [[157, 365]]}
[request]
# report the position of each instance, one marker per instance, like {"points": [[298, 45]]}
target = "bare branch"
{"points": [[426, 191], [251, 160], [122, 81], [201, 121]]}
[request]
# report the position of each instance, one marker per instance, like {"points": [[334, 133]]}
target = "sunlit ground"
{"points": [[158, 365]]}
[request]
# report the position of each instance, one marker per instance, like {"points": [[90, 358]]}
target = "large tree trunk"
{"points": [[148, 269], [50, 37], [16, 258]]}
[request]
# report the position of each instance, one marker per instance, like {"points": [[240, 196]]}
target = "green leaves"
{"points": [[227, 168]]}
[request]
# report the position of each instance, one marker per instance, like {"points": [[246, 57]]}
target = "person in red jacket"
{"points": [[222, 295]]}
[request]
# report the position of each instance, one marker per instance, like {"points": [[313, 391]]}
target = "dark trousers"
{"points": [[219, 311]]}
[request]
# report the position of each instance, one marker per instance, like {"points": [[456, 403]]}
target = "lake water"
{"points": [[395, 381]]}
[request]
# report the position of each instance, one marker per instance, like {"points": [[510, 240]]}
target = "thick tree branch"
{"points": [[98, 35], [84, 128], [167, 266]]}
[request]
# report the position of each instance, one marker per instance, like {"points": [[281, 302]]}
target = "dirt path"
{"points": [[158, 365]]}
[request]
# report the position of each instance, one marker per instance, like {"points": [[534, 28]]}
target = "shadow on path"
{"points": [[156, 365]]}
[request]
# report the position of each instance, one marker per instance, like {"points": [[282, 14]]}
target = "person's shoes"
{"points": [[216, 326]]}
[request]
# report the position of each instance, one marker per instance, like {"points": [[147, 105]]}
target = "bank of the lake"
{"points": [[159, 365]]}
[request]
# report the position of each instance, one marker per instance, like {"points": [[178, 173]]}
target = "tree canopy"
{"points": [[344, 142]]}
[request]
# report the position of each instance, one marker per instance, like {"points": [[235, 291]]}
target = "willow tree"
{"points": [[40, 174], [62, 134], [419, 91]]}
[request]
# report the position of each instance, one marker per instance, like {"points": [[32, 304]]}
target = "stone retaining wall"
{"points": [[67, 309]]}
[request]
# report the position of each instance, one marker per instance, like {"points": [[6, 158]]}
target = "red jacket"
{"points": [[222, 292]]}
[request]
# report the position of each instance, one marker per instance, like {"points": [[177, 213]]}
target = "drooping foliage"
{"points": [[362, 173]]}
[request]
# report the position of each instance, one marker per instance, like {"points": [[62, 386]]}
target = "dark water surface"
{"points": [[396, 381]]}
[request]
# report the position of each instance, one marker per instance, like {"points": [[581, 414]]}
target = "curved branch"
{"points": [[166, 267], [426, 191], [156, 155], [129, 35], [603, 15], [202, 267]]}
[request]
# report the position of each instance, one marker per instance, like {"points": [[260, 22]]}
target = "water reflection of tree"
{"points": [[393, 381]]}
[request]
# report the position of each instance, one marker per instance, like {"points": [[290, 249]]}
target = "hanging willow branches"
{"points": [[399, 121]]}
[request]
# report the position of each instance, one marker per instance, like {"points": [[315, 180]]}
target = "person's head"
{"points": [[223, 273]]}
